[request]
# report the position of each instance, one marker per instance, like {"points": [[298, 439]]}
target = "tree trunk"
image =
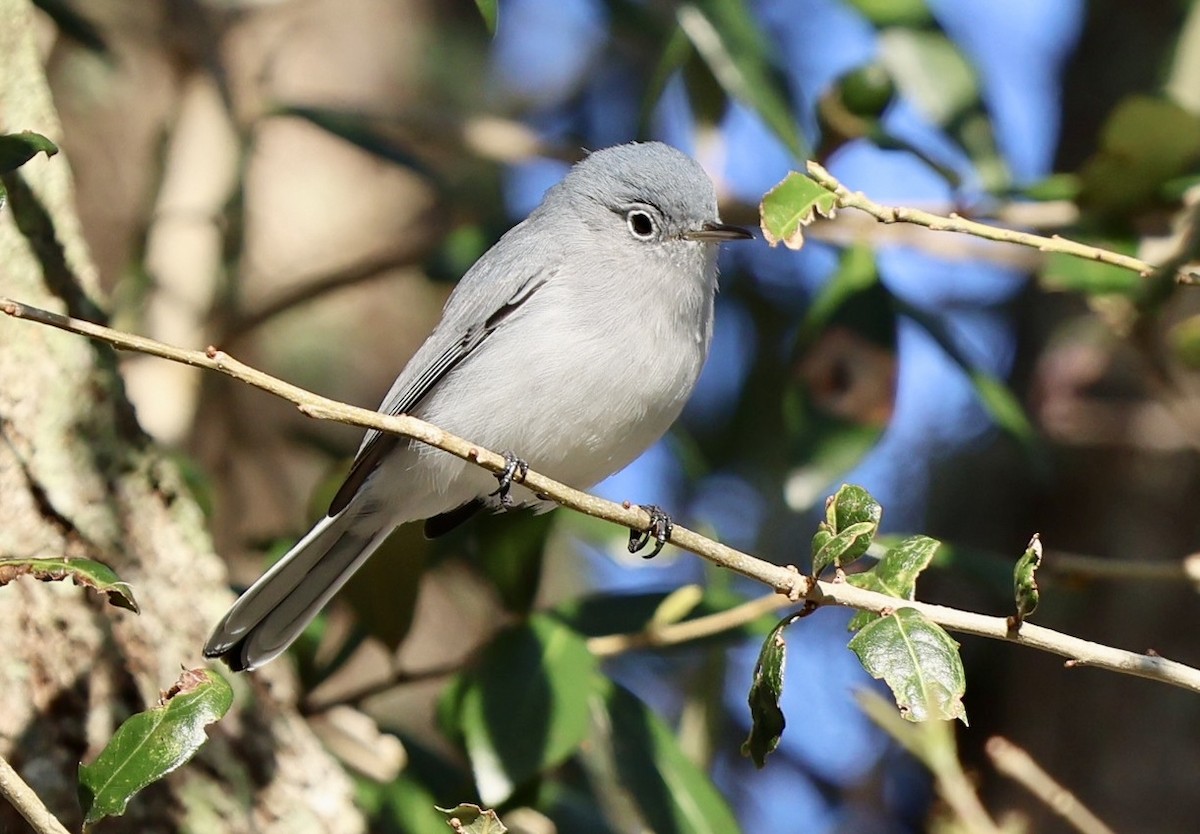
{"points": [[79, 478]]}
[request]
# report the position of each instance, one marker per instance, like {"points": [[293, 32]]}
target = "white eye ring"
{"points": [[641, 224]]}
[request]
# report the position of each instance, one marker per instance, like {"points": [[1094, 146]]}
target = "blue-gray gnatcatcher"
{"points": [[574, 342]]}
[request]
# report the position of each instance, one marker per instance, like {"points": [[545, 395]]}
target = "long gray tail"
{"points": [[271, 614]]}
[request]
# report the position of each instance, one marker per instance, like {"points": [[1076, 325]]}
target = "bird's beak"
{"points": [[717, 233]]}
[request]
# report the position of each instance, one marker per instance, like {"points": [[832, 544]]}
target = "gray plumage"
{"points": [[573, 342]]}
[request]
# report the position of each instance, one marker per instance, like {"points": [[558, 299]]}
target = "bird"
{"points": [[573, 342]]}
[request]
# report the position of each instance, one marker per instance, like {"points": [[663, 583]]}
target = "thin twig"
{"points": [[1019, 766], [688, 630], [27, 802], [783, 580], [1077, 566], [955, 223]]}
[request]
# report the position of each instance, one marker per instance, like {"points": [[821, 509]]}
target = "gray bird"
{"points": [[574, 342]]}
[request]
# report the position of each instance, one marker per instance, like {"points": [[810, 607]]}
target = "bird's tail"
{"points": [[271, 614]]}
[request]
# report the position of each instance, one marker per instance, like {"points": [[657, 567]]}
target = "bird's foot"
{"points": [[660, 530], [514, 470]]}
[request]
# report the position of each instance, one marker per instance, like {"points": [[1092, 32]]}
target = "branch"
{"points": [[609, 645], [1018, 765], [783, 580], [955, 223], [27, 802]]}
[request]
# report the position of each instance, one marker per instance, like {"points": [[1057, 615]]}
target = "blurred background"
{"points": [[300, 183]]}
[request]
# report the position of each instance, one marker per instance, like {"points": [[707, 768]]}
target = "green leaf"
{"points": [[411, 806], [1025, 587], [851, 521], [938, 79], [1067, 273], [994, 395], [383, 593], [1146, 142], [525, 707], [918, 660], [471, 819], [931, 72], [726, 36], [767, 719], [895, 574], [908, 13], [490, 11], [1053, 187], [672, 795], [18, 148], [856, 273], [508, 549], [151, 744], [83, 572], [790, 206]]}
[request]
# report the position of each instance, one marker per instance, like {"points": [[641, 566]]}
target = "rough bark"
{"points": [[79, 478]]}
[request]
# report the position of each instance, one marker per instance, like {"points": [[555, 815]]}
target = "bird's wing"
{"points": [[461, 331]]}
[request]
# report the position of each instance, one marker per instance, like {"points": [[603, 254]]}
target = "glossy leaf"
{"points": [[1025, 587], [151, 744], [851, 521], [727, 37], [83, 572], [918, 661], [895, 574], [471, 819], [672, 795], [525, 708], [790, 206], [18, 148], [766, 718]]}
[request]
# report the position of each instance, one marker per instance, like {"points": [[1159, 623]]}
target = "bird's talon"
{"points": [[659, 529], [514, 470]]}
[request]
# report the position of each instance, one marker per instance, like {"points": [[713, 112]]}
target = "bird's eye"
{"points": [[640, 223]]}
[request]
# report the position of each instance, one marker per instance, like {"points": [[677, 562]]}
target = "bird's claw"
{"points": [[514, 470], [659, 529]]}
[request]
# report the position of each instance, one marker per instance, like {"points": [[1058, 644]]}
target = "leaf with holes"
{"points": [[151, 744], [471, 819], [918, 661], [83, 572], [896, 574], [790, 206]]}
